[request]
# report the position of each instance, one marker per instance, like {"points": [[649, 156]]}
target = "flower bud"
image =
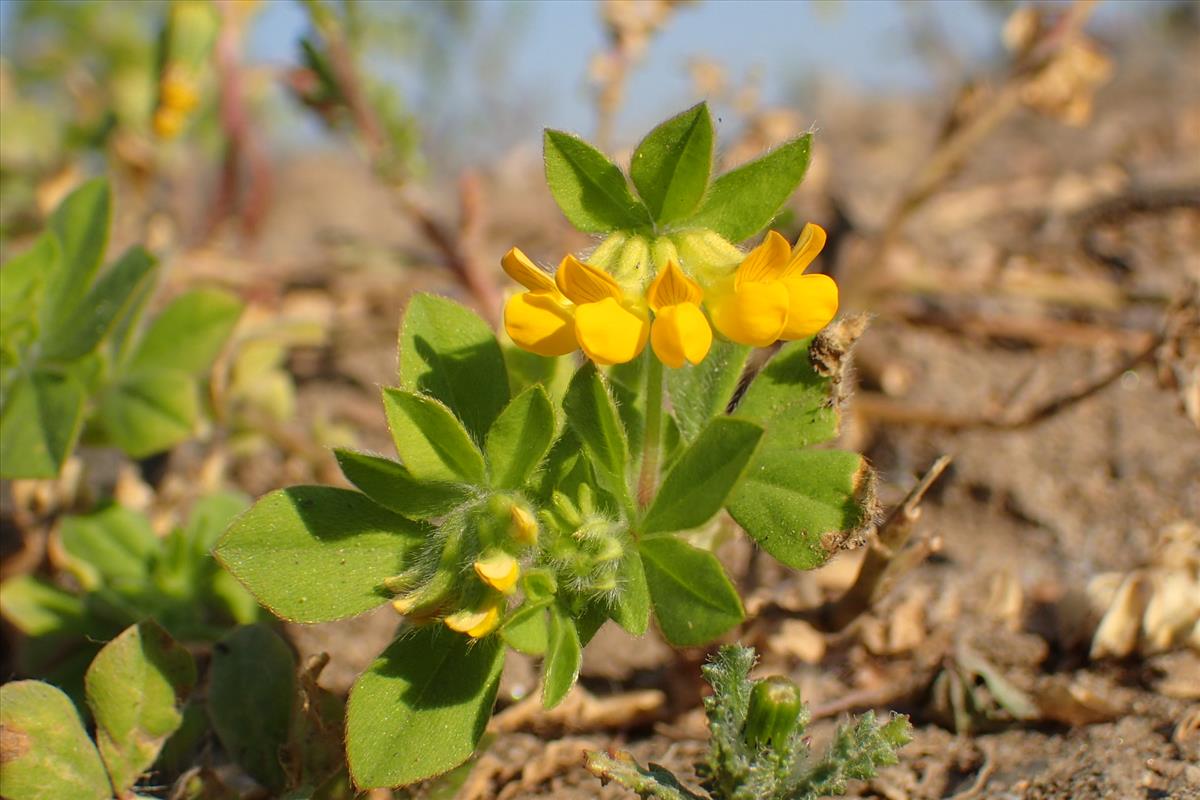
{"points": [[663, 251], [706, 252], [524, 528], [633, 264], [475, 623], [775, 710], [498, 570], [605, 256]]}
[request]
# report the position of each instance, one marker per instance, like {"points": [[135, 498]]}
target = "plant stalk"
{"points": [[648, 479]]}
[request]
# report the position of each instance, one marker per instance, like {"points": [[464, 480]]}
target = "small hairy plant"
{"points": [[75, 356], [757, 748], [539, 495]]}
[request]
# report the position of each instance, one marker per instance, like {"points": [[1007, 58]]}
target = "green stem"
{"points": [[648, 479]]}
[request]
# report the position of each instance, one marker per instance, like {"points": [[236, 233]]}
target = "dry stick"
{"points": [[881, 564], [880, 408]]}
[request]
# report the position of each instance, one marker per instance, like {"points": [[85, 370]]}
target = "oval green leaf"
{"points": [[671, 166], [590, 189], [431, 441], [520, 438], [694, 602]]}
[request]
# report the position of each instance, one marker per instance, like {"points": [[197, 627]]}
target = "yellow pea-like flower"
{"points": [[475, 623], [611, 327], [680, 331], [498, 570], [524, 527], [769, 297], [540, 320]]}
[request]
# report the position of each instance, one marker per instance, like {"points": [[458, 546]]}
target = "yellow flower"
{"points": [[611, 327], [769, 297], [475, 623], [498, 570], [524, 527], [539, 320], [680, 330]]}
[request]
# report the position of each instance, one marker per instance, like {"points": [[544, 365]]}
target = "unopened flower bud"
{"points": [[663, 251], [775, 710], [633, 263], [605, 256], [475, 623], [524, 528], [498, 570]]}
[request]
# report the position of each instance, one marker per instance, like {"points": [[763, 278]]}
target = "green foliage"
{"points": [[72, 349], [529, 518], [757, 748], [136, 688], [125, 573]]}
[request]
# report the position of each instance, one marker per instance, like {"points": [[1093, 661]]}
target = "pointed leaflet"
{"points": [[631, 609], [670, 167], [694, 602], [791, 400], [113, 546], [389, 484], [136, 687], [189, 333], [39, 424], [107, 301], [593, 418], [449, 353], [696, 487], [564, 656], [315, 553], [22, 282], [744, 201], [419, 710], [81, 225], [252, 687], [798, 506], [526, 629], [590, 189], [38, 608], [432, 443], [46, 752], [520, 438]]}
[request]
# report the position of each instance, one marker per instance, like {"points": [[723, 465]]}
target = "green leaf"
{"points": [[526, 630], [702, 391], [47, 755], [136, 688], [670, 168], [791, 401], [796, 504], [38, 608], [744, 201], [520, 438], [392, 486], [315, 553], [432, 443], [252, 687], [419, 710], [449, 353], [696, 487], [39, 424], [632, 607], [81, 225], [148, 411], [22, 281], [104, 304], [593, 418], [694, 602], [564, 656], [590, 189], [189, 333], [209, 517], [113, 546]]}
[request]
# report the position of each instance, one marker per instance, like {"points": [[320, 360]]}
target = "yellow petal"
{"points": [[539, 323], [611, 333], [680, 332], [765, 262], [812, 303], [671, 287], [525, 272], [753, 314], [808, 247], [475, 624], [524, 527], [499, 570], [584, 284]]}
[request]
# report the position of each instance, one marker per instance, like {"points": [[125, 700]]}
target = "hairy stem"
{"points": [[648, 479]]}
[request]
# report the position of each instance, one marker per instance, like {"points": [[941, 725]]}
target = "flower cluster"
{"points": [[767, 297]]}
